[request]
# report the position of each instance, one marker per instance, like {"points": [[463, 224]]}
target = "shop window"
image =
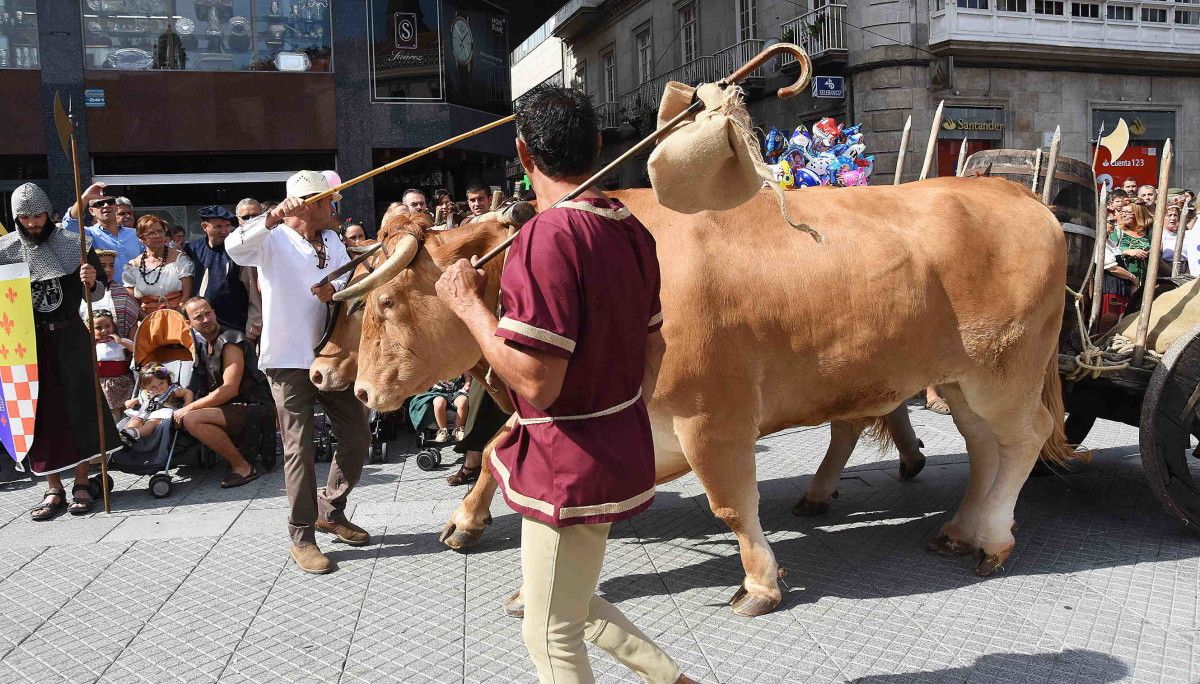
{"points": [[1012, 5], [1087, 10], [973, 4], [1153, 14], [207, 35], [1049, 7], [19, 35], [1119, 13]]}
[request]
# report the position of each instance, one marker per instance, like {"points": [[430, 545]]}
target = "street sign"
{"points": [[829, 86], [93, 97]]}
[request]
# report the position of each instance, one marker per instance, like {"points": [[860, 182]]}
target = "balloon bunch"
{"points": [[828, 155]]}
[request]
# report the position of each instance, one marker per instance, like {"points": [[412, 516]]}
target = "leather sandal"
{"points": [[464, 476], [47, 510], [81, 505], [234, 480]]}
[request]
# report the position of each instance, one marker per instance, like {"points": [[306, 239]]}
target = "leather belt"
{"points": [[54, 326]]}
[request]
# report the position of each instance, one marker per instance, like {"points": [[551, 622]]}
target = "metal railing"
{"points": [[610, 115], [819, 32], [732, 57], [647, 94]]}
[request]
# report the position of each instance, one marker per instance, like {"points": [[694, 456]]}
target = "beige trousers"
{"points": [[561, 567], [295, 399]]}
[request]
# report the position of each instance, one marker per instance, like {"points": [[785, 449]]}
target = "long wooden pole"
{"points": [[87, 299], [904, 136], [1037, 169], [1181, 229], [1160, 216], [1051, 164], [404, 160], [1098, 258], [932, 144], [962, 159]]}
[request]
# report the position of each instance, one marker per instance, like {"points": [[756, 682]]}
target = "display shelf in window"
{"points": [[19, 35]]}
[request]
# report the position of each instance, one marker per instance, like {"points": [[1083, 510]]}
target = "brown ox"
{"points": [[953, 282]]}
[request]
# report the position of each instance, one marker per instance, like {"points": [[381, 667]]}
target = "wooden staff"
{"points": [[65, 122], [1098, 258], [962, 159], [903, 150], [1176, 258], [1037, 168], [932, 144], [737, 75], [1055, 144], [404, 160], [1160, 216]]}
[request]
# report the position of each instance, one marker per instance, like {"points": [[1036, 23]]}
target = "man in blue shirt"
{"points": [[107, 233], [219, 280]]}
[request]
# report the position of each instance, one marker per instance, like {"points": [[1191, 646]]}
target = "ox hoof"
{"points": [[943, 545], [746, 604], [514, 606], [988, 563], [808, 508], [459, 539], [910, 470]]}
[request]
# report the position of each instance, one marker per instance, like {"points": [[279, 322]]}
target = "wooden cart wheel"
{"points": [[1167, 425]]}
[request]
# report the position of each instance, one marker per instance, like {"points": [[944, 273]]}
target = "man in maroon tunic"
{"points": [[580, 315]]}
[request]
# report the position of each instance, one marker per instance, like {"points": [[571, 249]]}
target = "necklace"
{"points": [[157, 271], [318, 246]]}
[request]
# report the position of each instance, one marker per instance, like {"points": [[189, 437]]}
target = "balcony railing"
{"points": [[732, 57], [647, 95], [1160, 26], [610, 115], [819, 32]]}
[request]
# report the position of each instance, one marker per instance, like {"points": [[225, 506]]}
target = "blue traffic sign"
{"points": [[829, 86]]}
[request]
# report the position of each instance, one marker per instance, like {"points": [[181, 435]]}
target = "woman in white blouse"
{"points": [[161, 276]]}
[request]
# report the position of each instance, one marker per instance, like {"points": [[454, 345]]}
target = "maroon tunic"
{"points": [[582, 285]]}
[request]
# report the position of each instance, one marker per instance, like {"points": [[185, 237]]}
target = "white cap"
{"points": [[304, 183]]}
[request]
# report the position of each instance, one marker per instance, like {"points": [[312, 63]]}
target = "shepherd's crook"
{"points": [[65, 123], [738, 74]]}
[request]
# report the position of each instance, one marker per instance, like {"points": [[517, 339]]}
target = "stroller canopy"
{"points": [[163, 336]]}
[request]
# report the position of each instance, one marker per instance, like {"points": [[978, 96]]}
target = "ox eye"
{"points": [[386, 302]]}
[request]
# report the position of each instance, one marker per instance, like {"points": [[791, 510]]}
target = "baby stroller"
{"points": [[164, 338], [421, 419]]}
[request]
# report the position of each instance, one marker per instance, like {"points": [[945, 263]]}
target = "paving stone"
{"points": [[173, 526]]}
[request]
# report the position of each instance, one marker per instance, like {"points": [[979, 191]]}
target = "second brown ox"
{"points": [[949, 282]]}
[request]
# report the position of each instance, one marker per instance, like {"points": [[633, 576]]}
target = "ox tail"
{"points": [[879, 433], [1056, 450]]}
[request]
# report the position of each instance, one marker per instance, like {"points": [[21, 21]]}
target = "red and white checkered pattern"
{"points": [[20, 386]]}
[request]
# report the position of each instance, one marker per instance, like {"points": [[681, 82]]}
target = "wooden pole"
{"points": [[962, 159], [1037, 169], [1055, 144], [1098, 258], [932, 144], [904, 136], [497, 200], [1177, 257], [97, 395], [1160, 215]]}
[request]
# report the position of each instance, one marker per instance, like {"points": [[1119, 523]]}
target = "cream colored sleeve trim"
{"points": [[538, 334], [655, 320]]}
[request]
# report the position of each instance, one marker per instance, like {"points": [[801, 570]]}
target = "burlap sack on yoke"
{"points": [[705, 162]]}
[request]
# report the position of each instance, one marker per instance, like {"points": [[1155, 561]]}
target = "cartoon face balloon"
{"points": [[806, 178], [826, 132], [821, 164], [773, 145], [854, 175], [855, 150], [783, 175]]}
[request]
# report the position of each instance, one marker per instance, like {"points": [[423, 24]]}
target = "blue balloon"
{"points": [[806, 178]]}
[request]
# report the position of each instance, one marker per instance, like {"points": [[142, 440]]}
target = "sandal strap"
{"points": [[78, 486], [55, 492]]}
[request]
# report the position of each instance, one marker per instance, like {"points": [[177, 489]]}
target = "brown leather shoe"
{"points": [[310, 559], [347, 532]]}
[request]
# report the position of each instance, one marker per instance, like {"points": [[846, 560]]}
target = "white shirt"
{"points": [[293, 319], [110, 351], [1191, 249]]}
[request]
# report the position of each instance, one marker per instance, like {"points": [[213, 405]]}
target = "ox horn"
{"points": [[406, 249]]}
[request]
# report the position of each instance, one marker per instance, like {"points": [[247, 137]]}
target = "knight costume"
{"points": [[65, 373]]}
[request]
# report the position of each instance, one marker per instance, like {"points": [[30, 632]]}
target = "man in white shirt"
{"points": [[294, 246]]}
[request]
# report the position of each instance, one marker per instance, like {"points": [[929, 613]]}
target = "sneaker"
{"points": [[459, 433], [310, 559], [129, 436], [442, 436], [346, 532]]}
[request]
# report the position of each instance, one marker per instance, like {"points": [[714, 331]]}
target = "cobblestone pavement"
{"points": [[198, 587]]}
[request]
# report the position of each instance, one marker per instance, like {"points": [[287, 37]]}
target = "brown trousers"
{"points": [[295, 399]]}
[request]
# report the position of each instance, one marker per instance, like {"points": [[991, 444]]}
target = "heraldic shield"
{"points": [[18, 361]]}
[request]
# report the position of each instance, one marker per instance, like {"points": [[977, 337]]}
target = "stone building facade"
{"points": [[1009, 71]]}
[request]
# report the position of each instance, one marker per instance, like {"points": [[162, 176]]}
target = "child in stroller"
{"points": [[158, 397], [434, 403]]}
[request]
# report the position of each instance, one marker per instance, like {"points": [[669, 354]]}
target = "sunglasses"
{"points": [[106, 202], [247, 217]]}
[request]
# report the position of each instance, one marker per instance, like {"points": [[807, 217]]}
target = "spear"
{"points": [[65, 123], [903, 150], [1037, 169], [1055, 144], [962, 159], [932, 144], [1160, 217]]}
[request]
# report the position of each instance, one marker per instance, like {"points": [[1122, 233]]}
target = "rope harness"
{"points": [[1094, 361]]}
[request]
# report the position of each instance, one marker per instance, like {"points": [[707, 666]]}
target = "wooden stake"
{"points": [[903, 150], [1177, 257], [1055, 144], [932, 144], [1098, 258], [962, 159], [1160, 216], [1037, 169]]}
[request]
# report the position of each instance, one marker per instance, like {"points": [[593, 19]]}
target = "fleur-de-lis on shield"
{"points": [[20, 350], [7, 323], [4, 351], [11, 295]]}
